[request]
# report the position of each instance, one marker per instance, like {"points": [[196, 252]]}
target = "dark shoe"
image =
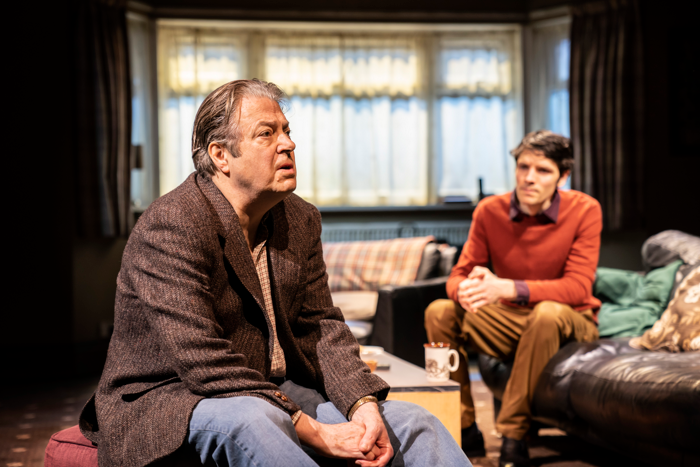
{"points": [[514, 453], [473, 442]]}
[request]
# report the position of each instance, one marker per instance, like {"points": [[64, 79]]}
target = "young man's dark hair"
{"points": [[552, 145]]}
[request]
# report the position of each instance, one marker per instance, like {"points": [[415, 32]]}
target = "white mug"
{"points": [[437, 361]]}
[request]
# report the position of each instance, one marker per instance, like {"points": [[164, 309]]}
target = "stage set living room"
{"points": [[414, 134]]}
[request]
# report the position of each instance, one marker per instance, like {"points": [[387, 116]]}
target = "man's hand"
{"points": [[343, 440], [376, 439], [482, 287]]}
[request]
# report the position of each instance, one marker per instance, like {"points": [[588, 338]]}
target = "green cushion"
{"points": [[632, 303]]}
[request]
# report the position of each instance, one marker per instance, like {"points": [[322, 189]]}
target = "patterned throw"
{"points": [[678, 330], [368, 265]]}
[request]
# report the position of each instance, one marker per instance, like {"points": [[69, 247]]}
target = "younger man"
{"points": [[542, 245]]}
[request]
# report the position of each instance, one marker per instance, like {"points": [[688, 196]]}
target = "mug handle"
{"points": [[456, 355]]}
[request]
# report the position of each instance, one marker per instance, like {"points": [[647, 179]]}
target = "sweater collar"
{"points": [[549, 215]]}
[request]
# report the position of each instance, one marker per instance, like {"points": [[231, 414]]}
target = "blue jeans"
{"points": [[248, 431]]}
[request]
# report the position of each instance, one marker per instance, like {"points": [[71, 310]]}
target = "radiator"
{"points": [[452, 232]]}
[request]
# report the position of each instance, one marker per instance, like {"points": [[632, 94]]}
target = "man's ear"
{"points": [[219, 156], [564, 177]]}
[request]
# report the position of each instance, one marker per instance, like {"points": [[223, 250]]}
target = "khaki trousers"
{"points": [[530, 336]]}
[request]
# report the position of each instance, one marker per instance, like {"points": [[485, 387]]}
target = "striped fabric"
{"points": [[368, 265]]}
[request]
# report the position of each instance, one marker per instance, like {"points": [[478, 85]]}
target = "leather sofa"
{"points": [[641, 403]]}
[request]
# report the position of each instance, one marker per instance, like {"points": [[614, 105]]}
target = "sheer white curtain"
{"points": [[357, 117], [478, 114], [549, 76], [379, 117], [143, 176], [191, 63]]}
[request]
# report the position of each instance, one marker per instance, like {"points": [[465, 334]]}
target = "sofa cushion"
{"points": [[448, 258], [678, 330], [670, 245], [356, 305], [69, 448], [368, 265], [610, 388], [361, 330], [430, 262]]}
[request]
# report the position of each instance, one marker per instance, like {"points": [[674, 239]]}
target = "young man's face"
{"points": [[266, 164], [536, 177]]}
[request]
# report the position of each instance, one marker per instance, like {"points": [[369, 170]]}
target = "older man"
{"points": [[227, 349], [542, 245]]}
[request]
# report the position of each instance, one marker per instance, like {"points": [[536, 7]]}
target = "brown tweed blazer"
{"points": [[189, 323]]}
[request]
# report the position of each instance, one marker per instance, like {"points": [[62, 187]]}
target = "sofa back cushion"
{"points": [[367, 265], [678, 330], [668, 246], [430, 262]]}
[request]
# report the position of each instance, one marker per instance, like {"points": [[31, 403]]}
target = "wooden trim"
{"points": [[335, 16]]}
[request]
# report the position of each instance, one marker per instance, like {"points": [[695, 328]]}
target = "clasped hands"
{"points": [[482, 287], [363, 441]]}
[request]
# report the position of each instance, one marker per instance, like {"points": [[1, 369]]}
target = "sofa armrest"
{"points": [[399, 323]]}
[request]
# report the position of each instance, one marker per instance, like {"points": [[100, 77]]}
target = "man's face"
{"points": [[536, 177], [266, 163]]}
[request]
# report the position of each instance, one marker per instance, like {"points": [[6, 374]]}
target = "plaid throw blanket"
{"points": [[370, 264]]}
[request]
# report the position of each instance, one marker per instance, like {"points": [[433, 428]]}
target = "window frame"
{"points": [[255, 64]]}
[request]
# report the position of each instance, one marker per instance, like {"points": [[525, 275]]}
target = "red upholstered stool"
{"points": [[69, 448]]}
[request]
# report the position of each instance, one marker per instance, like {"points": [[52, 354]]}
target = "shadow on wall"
{"points": [[96, 264], [622, 250]]}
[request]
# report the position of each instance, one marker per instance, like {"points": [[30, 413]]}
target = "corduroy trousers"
{"points": [[529, 336]]}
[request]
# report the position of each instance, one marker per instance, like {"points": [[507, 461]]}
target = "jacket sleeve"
{"points": [[474, 253], [575, 287], [329, 344], [168, 267]]}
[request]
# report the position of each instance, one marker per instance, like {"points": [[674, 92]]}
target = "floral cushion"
{"points": [[678, 329]]}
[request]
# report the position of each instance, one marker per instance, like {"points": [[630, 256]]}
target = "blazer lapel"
{"points": [[284, 260], [234, 245]]}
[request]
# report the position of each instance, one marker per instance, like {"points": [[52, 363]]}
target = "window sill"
{"points": [[438, 208]]}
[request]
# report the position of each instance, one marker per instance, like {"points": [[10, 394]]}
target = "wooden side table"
{"points": [[409, 383]]}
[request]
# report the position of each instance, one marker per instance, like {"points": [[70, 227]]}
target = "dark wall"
{"points": [[60, 291], [38, 152], [671, 174]]}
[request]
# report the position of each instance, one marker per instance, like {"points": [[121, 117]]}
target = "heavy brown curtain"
{"points": [[607, 108], [104, 128]]}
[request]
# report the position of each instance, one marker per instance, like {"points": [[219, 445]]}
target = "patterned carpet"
{"points": [[30, 415]]}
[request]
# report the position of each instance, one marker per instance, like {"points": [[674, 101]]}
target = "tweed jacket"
{"points": [[189, 323]]}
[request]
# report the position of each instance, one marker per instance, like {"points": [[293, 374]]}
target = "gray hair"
{"points": [[217, 122]]}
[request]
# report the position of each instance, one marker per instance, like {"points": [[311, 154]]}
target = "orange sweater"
{"points": [[557, 261]]}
